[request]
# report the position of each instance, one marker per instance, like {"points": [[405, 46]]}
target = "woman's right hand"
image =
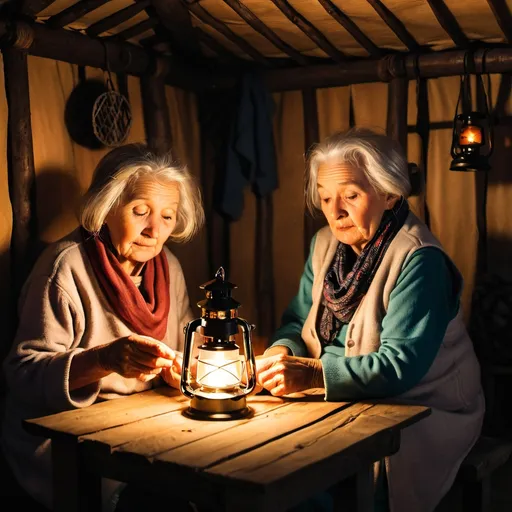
{"points": [[135, 356]]}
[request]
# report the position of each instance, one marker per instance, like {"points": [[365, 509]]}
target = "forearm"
{"points": [[87, 368]]}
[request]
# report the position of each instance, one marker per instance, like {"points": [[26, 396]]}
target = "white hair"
{"points": [[378, 156], [118, 176]]}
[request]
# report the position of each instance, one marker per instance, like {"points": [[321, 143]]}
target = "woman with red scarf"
{"points": [[377, 316], [103, 310]]}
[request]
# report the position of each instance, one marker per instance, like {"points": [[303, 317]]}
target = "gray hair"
{"points": [[381, 159], [119, 172]]}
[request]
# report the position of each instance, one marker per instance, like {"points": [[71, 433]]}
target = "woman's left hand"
{"points": [[282, 374], [172, 375]]}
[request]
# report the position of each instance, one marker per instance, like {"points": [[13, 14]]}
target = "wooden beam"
{"points": [[156, 114], [309, 29], [33, 7], [175, 18], [253, 21], [73, 13], [222, 52], [397, 110], [21, 168], [372, 49], [116, 18], [502, 14], [207, 18], [137, 29], [428, 65], [75, 48], [395, 25], [447, 20]]}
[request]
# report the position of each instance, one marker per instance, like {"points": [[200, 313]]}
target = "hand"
{"points": [[282, 374], [135, 356], [172, 375]]}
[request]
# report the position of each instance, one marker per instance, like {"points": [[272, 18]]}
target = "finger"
{"points": [[152, 346], [265, 363], [134, 368], [269, 374], [278, 390], [151, 361]]}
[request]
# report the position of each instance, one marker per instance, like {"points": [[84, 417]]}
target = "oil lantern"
{"points": [[215, 375], [472, 140]]}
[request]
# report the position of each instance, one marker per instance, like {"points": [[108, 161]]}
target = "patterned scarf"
{"points": [[347, 281], [145, 314]]}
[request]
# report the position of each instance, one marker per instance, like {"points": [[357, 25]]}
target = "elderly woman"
{"points": [[103, 310], [377, 316]]}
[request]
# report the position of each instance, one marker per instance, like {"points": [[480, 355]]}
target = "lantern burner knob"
{"points": [[220, 274]]}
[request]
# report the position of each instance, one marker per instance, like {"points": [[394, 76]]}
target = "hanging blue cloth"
{"points": [[251, 156]]}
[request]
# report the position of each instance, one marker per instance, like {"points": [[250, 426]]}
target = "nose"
{"points": [[337, 209], [152, 228]]}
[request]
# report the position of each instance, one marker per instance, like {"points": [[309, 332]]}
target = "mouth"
{"points": [[145, 245], [343, 228]]}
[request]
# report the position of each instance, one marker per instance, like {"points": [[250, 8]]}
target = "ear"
{"points": [[391, 200]]}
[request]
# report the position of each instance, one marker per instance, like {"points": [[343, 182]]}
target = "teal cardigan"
{"points": [[420, 307]]}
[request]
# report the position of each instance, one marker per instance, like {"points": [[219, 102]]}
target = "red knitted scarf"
{"points": [[144, 310]]}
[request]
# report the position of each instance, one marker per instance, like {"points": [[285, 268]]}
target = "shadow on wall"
{"points": [[58, 201]]}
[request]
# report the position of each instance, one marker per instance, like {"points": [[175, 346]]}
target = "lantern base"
{"points": [[473, 163], [218, 409]]}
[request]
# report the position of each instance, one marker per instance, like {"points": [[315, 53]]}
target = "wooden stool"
{"points": [[475, 472]]}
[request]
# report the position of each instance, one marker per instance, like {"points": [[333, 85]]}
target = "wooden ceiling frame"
{"points": [[396, 26], [177, 27], [362, 39], [222, 52], [74, 12], [204, 16], [253, 21], [116, 18], [503, 17], [32, 7], [449, 23], [137, 29], [310, 30]]}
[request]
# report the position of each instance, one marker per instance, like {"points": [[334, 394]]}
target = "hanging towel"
{"points": [[251, 156]]}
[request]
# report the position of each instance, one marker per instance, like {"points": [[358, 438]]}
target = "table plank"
{"points": [[152, 436], [262, 429], [316, 443], [108, 414]]}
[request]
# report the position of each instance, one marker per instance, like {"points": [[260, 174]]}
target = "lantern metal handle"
{"points": [[249, 355], [189, 329]]}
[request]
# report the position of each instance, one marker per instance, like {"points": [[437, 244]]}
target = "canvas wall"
{"points": [[64, 170]]}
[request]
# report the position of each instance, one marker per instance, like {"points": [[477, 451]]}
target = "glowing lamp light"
{"points": [[215, 375], [470, 135]]}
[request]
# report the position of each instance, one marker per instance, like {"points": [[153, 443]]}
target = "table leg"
{"points": [[365, 489], [74, 489]]}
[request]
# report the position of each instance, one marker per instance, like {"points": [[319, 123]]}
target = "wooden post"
{"points": [[21, 166], [156, 113], [311, 136], [397, 110]]}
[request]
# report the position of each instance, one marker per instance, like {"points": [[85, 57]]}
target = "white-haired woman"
{"points": [[103, 310], [377, 316]]}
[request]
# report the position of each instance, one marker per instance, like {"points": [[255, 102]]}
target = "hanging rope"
{"points": [[111, 114]]}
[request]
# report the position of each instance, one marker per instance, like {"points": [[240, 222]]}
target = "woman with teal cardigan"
{"points": [[377, 316]]}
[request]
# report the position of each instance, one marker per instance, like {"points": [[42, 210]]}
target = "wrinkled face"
{"points": [[352, 207], [141, 224]]}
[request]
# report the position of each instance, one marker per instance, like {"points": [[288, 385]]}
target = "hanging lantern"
{"points": [[472, 142], [215, 375]]}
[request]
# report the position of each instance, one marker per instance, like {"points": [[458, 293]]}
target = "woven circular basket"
{"points": [[111, 118]]}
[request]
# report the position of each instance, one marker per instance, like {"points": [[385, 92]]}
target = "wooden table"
{"points": [[289, 450]]}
